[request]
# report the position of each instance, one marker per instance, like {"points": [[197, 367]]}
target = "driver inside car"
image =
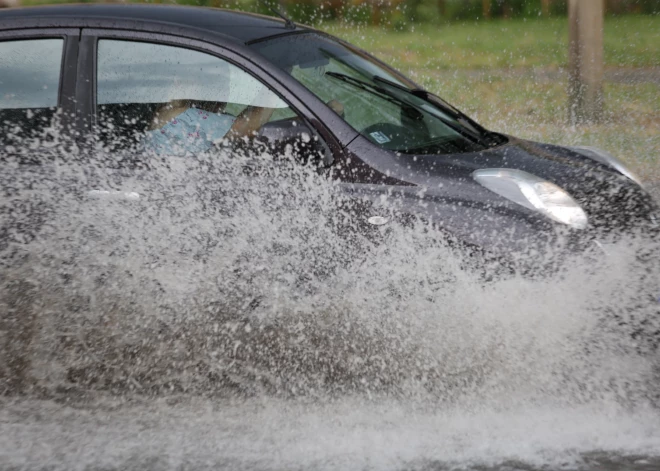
{"points": [[182, 127]]}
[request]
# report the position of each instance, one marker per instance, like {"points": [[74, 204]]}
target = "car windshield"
{"points": [[376, 101]]}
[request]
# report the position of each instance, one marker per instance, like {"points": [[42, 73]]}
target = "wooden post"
{"points": [[442, 8], [507, 9], [485, 6], [545, 7], [585, 60], [376, 13]]}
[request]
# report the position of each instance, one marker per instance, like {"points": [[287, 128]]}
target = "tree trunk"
{"points": [[486, 8], [376, 14], [506, 9], [442, 8], [545, 7], [585, 54]]}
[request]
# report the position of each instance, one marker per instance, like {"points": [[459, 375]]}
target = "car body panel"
{"points": [[444, 183]]}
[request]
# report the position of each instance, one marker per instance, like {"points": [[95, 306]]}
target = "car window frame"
{"points": [[67, 80], [87, 113]]}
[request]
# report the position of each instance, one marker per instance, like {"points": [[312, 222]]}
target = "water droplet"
{"points": [[378, 220]]}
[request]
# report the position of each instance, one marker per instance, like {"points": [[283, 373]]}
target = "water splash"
{"points": [[251, 274], [230, 276]]}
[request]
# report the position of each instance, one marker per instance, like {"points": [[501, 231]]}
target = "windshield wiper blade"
{"points": [[413, 91], [381, 92], [421, 93], [459, 127], [462, 120], [365, 86], [348, 78], [455, 113]]}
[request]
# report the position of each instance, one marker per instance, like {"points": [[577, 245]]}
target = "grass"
{"points": [[511, 76], [630, 41]]}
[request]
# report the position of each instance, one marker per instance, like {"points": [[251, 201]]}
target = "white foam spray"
{"points": [[237, 280]]}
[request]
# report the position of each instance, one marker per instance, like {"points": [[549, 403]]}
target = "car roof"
{"points": [[241, 26]]}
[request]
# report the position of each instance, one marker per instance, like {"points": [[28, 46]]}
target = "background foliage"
{"points": [[399, 13]]}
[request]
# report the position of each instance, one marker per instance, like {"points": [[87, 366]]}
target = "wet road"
{"points": [[267, 434]]}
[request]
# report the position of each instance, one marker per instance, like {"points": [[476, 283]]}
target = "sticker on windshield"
{"points": [[380, 137]]}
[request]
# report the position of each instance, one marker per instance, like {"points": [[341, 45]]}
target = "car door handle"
{"points": [[114, 194]]}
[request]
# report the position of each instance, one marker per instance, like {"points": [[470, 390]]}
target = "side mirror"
{"points": [[296, 134]]}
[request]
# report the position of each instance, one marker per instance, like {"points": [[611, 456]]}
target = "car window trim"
{"points": [[87, 65], [68, 64]]}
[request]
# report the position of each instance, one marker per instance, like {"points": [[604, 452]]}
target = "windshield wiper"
{"points": [[462, 119], [462, 129], [366, 86], [421, 93], [413, 91]]}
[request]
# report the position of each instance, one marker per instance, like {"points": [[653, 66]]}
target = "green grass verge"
{"points": [[630, 41]]}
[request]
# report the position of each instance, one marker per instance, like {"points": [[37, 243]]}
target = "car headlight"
{"points": [[608, 159], [533, 193]]}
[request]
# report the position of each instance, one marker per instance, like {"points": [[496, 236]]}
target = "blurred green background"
{"points": [[504, 61], [402, 14]]}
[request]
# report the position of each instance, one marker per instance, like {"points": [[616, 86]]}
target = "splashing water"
{"points": [[232, 312]]}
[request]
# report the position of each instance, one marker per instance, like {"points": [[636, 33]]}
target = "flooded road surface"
{"points": [[342, 435]]}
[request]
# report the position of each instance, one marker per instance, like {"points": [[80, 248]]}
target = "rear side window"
{"points": [[29, 85]]}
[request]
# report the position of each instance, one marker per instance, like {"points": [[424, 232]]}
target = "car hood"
{"points": [[442, 188]]}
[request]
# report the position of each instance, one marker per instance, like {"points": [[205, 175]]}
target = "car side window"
{"points": [[171, 100], [29, 86]]}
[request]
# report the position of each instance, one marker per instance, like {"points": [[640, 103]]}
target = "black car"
{"points": [[181, 80]]}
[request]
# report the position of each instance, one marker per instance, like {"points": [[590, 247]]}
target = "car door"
{"points": [[130, 81]]}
